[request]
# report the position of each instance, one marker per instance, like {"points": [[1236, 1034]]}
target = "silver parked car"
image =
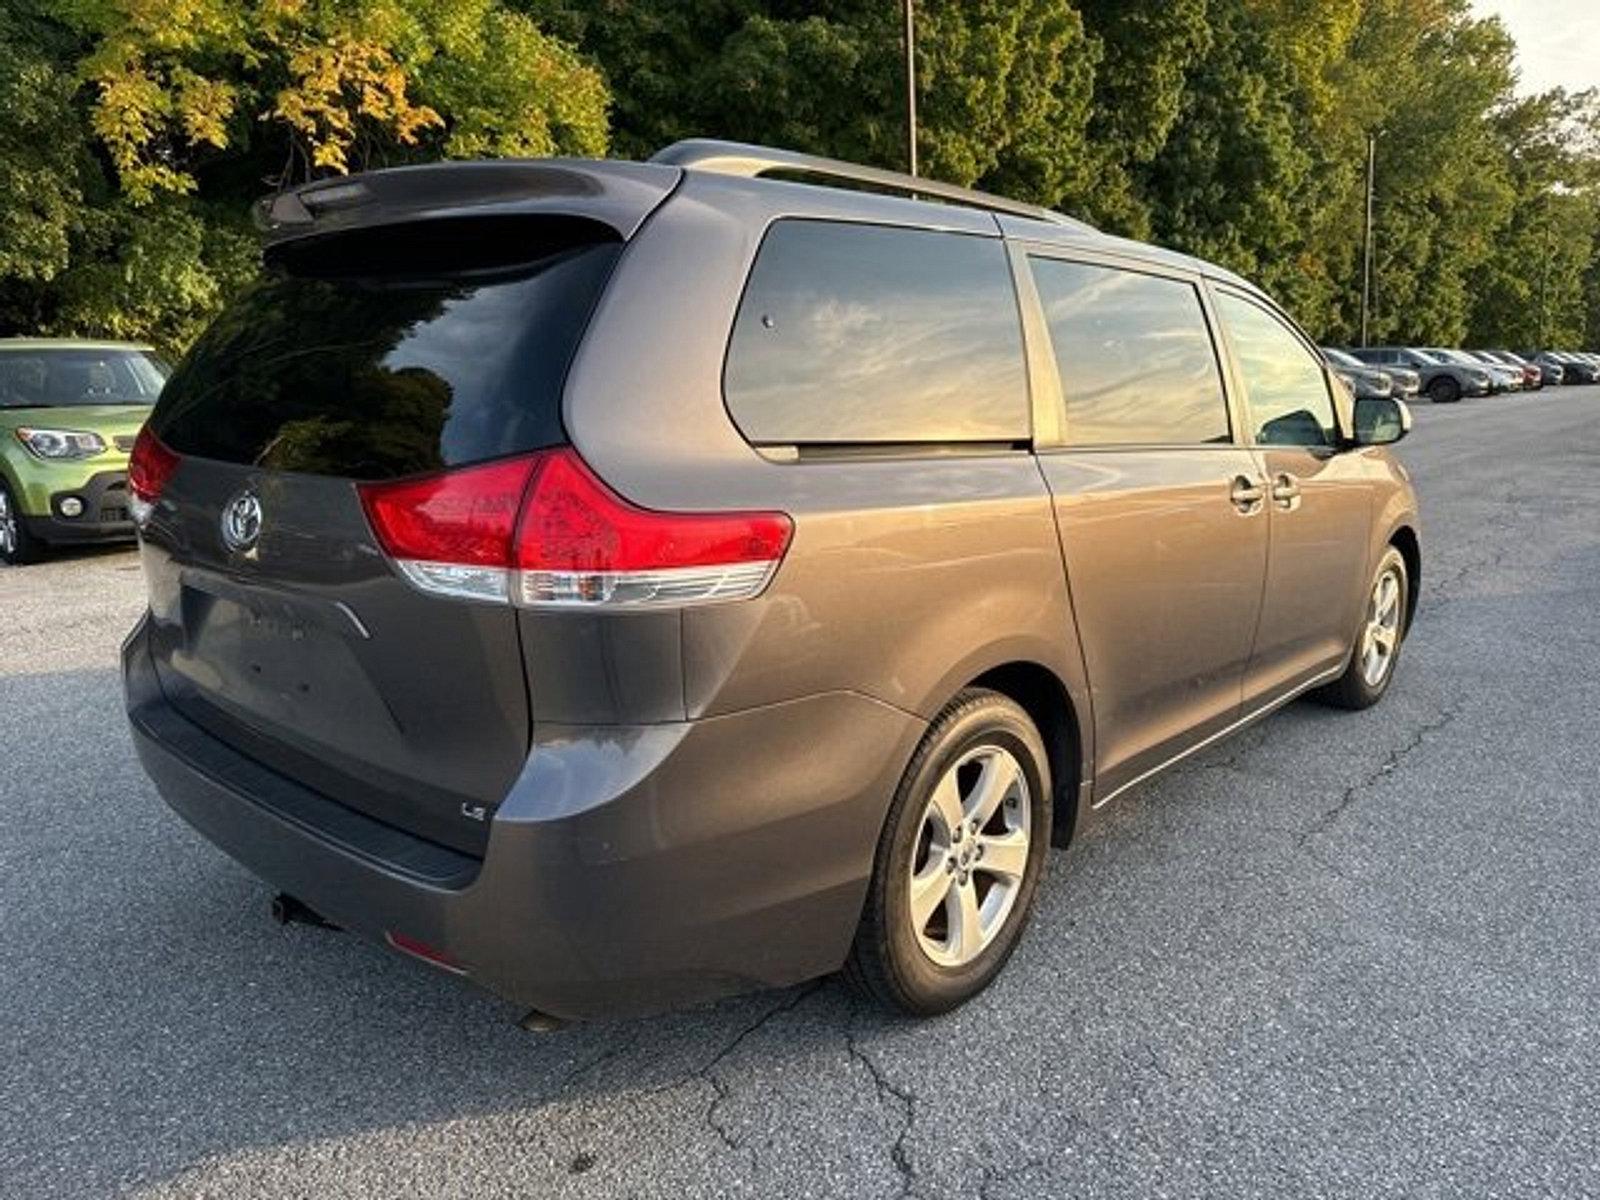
{"points": [[1444, 381], [1367, 381], [1501, 377]]}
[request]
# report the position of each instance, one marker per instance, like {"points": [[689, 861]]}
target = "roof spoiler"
{"points": [[617, 194]]}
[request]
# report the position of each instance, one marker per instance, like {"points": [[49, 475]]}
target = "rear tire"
{"points": [[1376, 656], [950, 895], [17, 545], [1443, 390]]}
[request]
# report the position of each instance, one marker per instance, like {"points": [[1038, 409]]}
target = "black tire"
{"points": [[1443, 390], [1353, 690], [17, 545], [886, 962]]}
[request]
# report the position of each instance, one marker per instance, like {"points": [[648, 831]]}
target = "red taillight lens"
{"points": [[574, 522], [465, 517], [545, 531], [150, 466]]}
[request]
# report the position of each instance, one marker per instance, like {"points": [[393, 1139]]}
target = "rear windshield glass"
{"points": [[372, 376], [70, 377]]}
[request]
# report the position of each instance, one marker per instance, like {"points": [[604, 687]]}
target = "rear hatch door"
{"points": [[373, 354]]}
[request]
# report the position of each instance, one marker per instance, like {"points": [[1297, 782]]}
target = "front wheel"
{"points": [[1443, 390], [1383, 629], [958, 861], [17, 545]]}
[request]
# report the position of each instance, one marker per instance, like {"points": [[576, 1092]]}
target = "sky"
{"points": [[1558, 41]]}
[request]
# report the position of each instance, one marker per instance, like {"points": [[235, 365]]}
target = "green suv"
{"points": [[69, 413]]}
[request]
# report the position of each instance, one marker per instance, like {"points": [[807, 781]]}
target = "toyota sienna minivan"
{"points": [[626, 583]]}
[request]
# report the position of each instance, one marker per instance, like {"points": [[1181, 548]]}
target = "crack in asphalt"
{"points": [[613, 1050], [905, 1099], [1445, 591], [707, 1071], [991, 1178], [1241, 744], [1153, 1061], [1387, 767]]}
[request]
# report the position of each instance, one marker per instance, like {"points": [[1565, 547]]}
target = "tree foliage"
{"points": [[147, 126], [139, 130]]}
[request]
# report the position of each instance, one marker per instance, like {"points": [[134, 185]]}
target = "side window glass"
{"points": [[866, 333], [1287, 392], [1135, 355]]}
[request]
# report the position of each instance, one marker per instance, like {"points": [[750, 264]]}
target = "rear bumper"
{"points": [[631, 868]]}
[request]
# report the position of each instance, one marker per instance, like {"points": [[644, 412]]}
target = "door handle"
{"points": [[1246, 494], [1286, 491]]}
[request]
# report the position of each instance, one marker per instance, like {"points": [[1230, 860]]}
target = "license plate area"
{"points": [[274, 659]]}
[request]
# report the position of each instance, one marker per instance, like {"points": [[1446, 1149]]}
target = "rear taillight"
{"points": [[544, 531], [450, 534], [150, 467]]}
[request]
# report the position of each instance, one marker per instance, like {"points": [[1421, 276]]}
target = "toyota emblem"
{"points": [[241, 521]]}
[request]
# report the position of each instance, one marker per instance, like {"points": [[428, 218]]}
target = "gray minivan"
{"points": [[626, 583]]}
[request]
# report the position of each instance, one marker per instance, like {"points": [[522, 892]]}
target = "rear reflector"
{"points": [[543, 531], [431, 955]]}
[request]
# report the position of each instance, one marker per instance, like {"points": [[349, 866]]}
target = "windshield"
{"points": [[1428, 356], [1343, 359], [77, 378], [70, 377]]}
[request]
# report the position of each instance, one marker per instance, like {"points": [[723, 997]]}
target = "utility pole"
{"points": [[1544, 271], [911, 84], [1366, 237]]}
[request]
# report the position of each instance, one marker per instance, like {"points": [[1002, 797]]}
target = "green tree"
{"points": [[1004, 95], [44, 158], [1444, 193], [1147, 52], [146, 130], [1529, 289], [333, 87]]}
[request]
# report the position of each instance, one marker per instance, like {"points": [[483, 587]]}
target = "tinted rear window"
{"points": [[357, 371], [865, 333], [70, 377]]}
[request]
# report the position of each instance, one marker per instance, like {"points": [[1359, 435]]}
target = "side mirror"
{"points": [[1381, 421]]}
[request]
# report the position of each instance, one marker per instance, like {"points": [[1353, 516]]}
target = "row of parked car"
{"points": [[1447, 375]]}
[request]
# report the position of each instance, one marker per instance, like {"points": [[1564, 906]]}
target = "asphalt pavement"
{"points": [[1340, 955]]}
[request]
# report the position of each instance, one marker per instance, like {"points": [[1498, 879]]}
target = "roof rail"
{"points": [[741, 158]]}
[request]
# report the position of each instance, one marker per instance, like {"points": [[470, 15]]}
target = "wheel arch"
{"points": [[1045, 698], [1404, 539]]}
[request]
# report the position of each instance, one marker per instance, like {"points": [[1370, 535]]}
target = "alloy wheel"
{"points": [[8, 525], [1381, 636], [971, 855]]}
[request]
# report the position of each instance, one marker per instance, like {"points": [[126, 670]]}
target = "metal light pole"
{"points": [[1366, 237], [911, 84], [1544, 270]]}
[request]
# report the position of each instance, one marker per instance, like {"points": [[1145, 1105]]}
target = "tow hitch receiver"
{"points": [[287, 910]]}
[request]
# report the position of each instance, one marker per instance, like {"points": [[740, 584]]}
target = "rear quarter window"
{"points": [[862, 333]]}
